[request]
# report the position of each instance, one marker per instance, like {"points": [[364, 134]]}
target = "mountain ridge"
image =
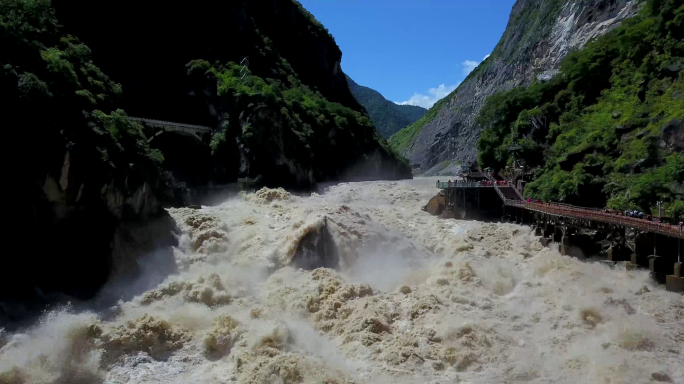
{"points": [[387, 116], [538, 35]]}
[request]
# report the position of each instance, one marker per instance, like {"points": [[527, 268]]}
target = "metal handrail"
{"points": [[494, 182], [169, 123], [562, 209], [511, 183], [501, 195], [599, 215], [462, 184]]}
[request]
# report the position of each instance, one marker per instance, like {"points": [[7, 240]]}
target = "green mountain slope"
{"points": [[411, 112], [609, 128], [387, 117], [538, 35]]}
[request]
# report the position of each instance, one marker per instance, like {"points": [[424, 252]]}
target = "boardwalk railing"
{"points": [[462, 184], [509, 183], [494, 182], [567, 210], [173, 126]]}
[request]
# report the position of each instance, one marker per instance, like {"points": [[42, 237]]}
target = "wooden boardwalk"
{"points": [[511, 197]]}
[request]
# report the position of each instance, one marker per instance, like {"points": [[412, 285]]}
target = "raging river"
{"points": [[410, 298]]}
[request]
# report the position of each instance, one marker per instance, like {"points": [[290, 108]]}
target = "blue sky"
{"points": [[412, 51]]}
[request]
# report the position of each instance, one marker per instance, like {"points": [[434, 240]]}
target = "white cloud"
{"points": [[433, 96], [468, 66]]}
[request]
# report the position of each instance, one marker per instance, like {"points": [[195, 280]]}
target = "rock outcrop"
{"points": [[539, 34], [148, 56], [76, 233], [275, 40], [84, 192]]}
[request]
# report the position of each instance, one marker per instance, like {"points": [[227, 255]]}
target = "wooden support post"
{"points": [[675, 282], [612, 236], [659, 268], [464, 205], [565, 242]]}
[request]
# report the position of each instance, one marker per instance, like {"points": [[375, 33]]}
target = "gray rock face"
{"points": [[673, 135], [539, 34]]}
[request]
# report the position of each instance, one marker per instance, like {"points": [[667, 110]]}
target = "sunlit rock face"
{"points": [[539, 34]]}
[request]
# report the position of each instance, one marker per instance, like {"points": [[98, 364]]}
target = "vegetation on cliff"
{"points": [[285, 129], [281, 47], [387, 117], [406, 136], [76, 160], [530, 22], [53, 94], [608, 129]]}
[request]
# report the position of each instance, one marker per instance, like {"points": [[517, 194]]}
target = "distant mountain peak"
{"points": [[387, 116]]}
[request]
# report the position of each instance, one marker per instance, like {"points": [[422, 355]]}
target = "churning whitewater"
{"points": [[358, 285]]}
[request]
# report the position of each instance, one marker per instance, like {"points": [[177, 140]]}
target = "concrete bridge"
{"points": [[202, 132]]}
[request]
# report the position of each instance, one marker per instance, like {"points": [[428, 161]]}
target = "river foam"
{"points": [[411, 299]]}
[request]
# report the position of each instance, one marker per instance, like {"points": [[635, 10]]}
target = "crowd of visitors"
{"points": [[482, 183]]}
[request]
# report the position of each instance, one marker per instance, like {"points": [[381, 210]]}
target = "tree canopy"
{"points": [[600, 132]]}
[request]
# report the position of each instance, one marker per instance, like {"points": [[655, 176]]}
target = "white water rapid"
{"points": [[414, 299]]}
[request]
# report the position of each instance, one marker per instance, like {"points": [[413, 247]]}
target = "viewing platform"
{"points": [[463, 184], [646, 242]]}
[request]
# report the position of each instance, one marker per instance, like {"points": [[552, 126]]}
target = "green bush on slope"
{"points": [[595, 131], [320, 139], [55, 97], [79, 174], [405, 137]]}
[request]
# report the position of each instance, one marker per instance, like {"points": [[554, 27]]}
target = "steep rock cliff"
{"points": [[147, 47], [538, 35], [82, 182], [603, 131]]}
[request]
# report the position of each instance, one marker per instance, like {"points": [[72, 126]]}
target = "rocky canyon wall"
{"points": [[538, 35]]}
